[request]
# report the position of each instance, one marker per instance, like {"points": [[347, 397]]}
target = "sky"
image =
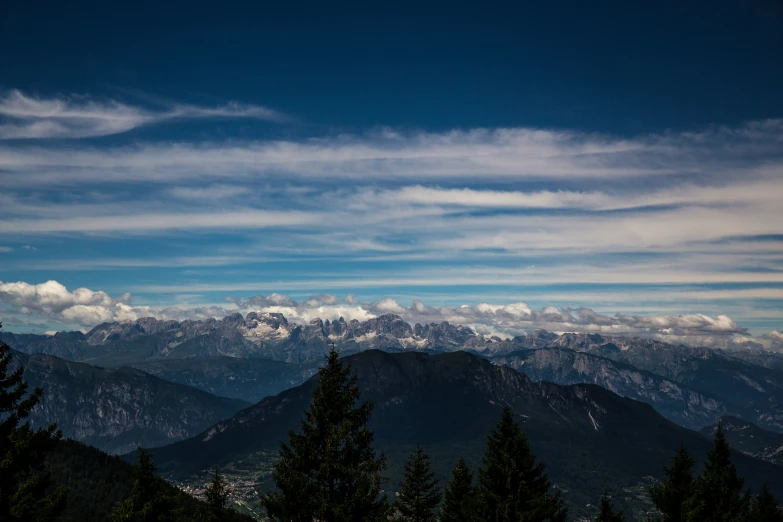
{"points": [[614, 167]]}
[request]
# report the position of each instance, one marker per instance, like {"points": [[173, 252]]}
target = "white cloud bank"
{"points": [[83, 307], [30, 117], [86, 308]]}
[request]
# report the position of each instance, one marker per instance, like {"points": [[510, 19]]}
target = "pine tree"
{"points": [[512, 485], [607, 513], [419, 492], [670, 494], [149, 502], [215, 507], [718, 492], [458, 497], [765, 508], [23, 485], [329, 471]]}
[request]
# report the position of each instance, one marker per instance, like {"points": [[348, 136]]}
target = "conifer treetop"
{"points": [[329, 471], [459, 495], [419, 493], [23, 485], [512, 484]]}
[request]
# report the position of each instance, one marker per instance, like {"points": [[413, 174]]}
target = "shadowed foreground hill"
{"points": [[96, 482], [590, 438]]}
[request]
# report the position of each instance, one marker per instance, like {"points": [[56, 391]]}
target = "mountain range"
{"points": [[226, 392], [590, 438], [691, 386], [266, 335]]}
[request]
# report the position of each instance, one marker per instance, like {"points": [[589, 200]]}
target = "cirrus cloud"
{"points": [[31, 117]]}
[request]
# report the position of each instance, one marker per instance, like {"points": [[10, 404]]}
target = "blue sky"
{"points": [[178, 161]]}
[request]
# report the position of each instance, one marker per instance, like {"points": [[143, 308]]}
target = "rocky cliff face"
{"points": [[674, 401], [752, 391], [116, 410]]}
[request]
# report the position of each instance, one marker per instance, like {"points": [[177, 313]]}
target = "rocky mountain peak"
{"points": [[127, 330], [387, 324], [234, 320]]}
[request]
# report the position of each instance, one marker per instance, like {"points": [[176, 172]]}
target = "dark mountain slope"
{"points": [[750, 439], [591, 438], [116, 410], [246, 379], [674, 401], [96, 481]]}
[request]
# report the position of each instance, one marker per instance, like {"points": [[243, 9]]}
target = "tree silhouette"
{"points": [[216, 508], [717, 494], [458, 497], [329, 471], [765, 507], [607, 512], [149, 501], [419, 493], [512, 485], [23, 485], [670, 494]]}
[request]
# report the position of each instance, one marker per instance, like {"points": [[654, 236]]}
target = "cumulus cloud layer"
{"points": [[30, 117], [85, 308]]}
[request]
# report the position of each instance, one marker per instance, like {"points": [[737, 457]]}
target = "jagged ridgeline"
{"points": [[266, 335], [262, 354]]}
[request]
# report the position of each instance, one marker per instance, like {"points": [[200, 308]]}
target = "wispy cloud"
{"points": [[151, 222], [752, 192], [31, 117], [209, 193], [539, 210], [491, 154]]}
